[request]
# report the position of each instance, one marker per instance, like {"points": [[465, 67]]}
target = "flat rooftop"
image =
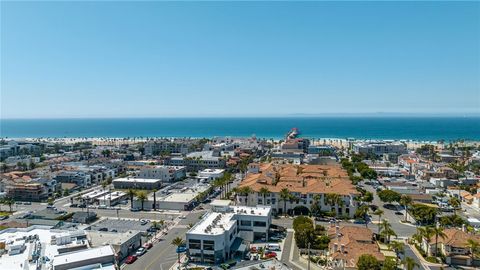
{"points": [[136, 180], [252, 211], [83, 255], [14, 236], [99, 238], [220, 203], [213, 224], [180, 197]]}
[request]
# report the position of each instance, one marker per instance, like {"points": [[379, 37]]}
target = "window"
{"points": [[245, 223], [259, 224]]}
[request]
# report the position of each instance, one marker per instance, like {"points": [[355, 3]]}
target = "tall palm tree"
{"points": [[362, 213], [438, 232], [285, 196], [264, 191], [333, 199], [426, 233], [246, 190], [178, 242], [409, 263], [315, 208], [406, 201], [142, 197], [154, 199], [131, 193], [386, 230], [455, 203], [474, 247], [379, 212]]}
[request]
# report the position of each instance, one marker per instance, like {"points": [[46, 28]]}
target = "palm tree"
{"points": [[154, 199], [398, 247], [474, 247], [405, 200], [332, 199], [246, 190], [264, 191], [362, 213], [386, 230], [409, 263], [379, 212], [131, 193], [142, 197], [438, 232], [315, 208], [455, 203], [285, 196], [426, 233], [178, 242], [9, 202]]}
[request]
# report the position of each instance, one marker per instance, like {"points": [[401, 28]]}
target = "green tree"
{"points": [[405, 201], [474, 248], [142, 197], [368, 262], [131, 193], [264, 192], [178, 242], [362, 212], [386, 230], [379, 212], [388, 196], [438, 232], [409, 263], [285, 196], [245, 191], [389, 264], [455, 203]]}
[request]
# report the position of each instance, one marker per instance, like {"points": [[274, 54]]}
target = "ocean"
{"points": [[408, 128]]}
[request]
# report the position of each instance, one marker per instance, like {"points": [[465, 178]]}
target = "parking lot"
{"points": [[121, 225]]}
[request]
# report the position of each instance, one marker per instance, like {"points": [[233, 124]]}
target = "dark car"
{"points": [[399, 213]]}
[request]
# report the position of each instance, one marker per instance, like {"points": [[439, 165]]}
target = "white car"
{"points": [[140, 252]]}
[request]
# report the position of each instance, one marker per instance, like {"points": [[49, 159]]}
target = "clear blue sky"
{"points": [[154, 59]]}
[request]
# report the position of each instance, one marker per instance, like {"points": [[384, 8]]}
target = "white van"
{"points": [[273, 247]]}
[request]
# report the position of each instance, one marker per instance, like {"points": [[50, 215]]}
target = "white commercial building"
{"points": [[210, 174], [219, 236], [163, 172], [27, 248], [137, 183]]}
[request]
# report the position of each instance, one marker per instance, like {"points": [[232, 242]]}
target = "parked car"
{"points": [[270, 254], [140, 252], [147, 245], [131, 259], [134, 209], [4, 217], [27, 203], [399, 213], [143, 222]]}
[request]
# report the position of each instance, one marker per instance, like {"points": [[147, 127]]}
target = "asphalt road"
{"points": [[162, 255], [402, 230]]}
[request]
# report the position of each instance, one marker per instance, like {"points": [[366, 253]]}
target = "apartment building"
{"points": [[304, 183], [79, 178], [220, 236], [379, 148], [454, 247], [348, 243], [37, 189], [198, 161], [163, 172]]}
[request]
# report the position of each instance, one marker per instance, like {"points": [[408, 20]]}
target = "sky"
{"points": [[189, 59]]}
